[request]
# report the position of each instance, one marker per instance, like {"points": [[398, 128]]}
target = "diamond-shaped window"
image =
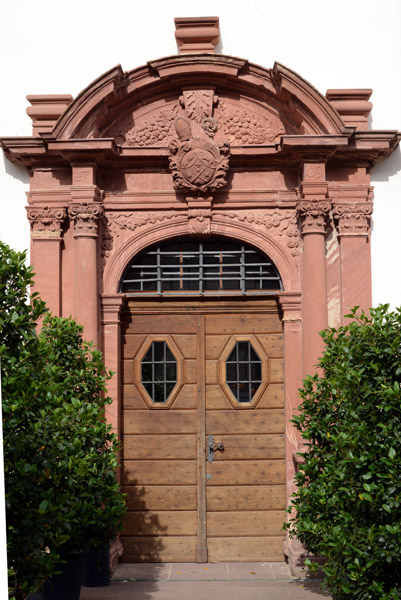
{"points": [[243, 372], [159, 372]]}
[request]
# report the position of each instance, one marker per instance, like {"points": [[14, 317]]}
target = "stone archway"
{"points": [[195, 145]]}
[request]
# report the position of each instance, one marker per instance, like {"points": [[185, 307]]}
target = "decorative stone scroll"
{"points": [[46, 222], [284, 222], [86, 218], [353, 218], [199, 222], [314, 215]]}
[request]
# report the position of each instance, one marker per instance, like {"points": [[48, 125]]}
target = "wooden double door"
{"points": [[204, 434]]}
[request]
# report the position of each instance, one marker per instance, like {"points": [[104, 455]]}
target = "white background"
{"points": [[60, 47]]}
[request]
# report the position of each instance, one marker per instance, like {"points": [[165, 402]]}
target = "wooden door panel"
{"points": [[245, 549], [252, 421], [165, 523], [160, 497], [246, 472], [159, 549], [240, 324], [164, 422], [253, 523], [179, 472], [250, 447], [260, 497], [161, 447], [216, 399], [163, 324]]}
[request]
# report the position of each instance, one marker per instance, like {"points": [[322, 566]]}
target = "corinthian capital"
{"points": [[86, 218], [353, 218], [45, 221], [313, 215]]}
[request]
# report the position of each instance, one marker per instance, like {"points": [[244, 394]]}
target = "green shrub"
{"points": [[60, 455], [348, 503]]}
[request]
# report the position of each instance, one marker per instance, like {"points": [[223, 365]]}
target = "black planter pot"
{"points": [[66, 585], [97, 567]]}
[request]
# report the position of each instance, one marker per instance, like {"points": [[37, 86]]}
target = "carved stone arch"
{"points": [[287, 268]]}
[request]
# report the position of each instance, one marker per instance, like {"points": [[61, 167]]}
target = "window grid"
{"points": [[159, 372], [243, 372], [201, 268]]}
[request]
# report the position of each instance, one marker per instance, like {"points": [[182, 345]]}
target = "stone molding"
{"points": [[85, 217], [353, 218], [197, 34], [111, 305], [314, 215], [291, 305], [46, 222]]}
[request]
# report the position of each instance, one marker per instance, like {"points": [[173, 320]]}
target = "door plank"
{"points": [[261, 497], [159, 421], [160, 497], [131, 398], [273, 396], [255, 421], [186, 398], [159, 549], [246, 472], [164, 324], [237, 524], [159, 446], [152, 472], [246, 549], [272, 344], [216, 398], [239, 324], [250, 447], [165, 523], [276, 370]]}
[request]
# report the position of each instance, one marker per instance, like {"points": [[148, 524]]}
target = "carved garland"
{"points": [[116, 222], [283, 221]]}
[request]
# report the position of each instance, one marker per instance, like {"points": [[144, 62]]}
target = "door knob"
{"points": [[213, 447]]}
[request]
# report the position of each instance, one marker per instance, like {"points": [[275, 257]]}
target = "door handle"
{"points": [[213, 447]]}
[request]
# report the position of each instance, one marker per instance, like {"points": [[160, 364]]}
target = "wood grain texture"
{"points": [[256, 421], [245, 523], [153, 422], [243, 324], [216, 399], [165, 324], [159, 447], [260, 497], [159, 472], [159, 549], [246, 472], [165, 523], [271, 343], [246, 549], [273, 396], [160, 497], [276, 370], [250, 447]]}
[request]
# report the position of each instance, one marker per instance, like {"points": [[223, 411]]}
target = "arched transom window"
{"points": [[192, 267]]}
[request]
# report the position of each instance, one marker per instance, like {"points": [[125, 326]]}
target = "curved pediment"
{"points": [[252, 105]]}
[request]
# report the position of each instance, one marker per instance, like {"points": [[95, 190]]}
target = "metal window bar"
{"points": [[168, 384], [262, 270], [239, 383]]}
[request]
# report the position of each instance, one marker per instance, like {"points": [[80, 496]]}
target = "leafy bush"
{"points": [[348, 503], [59, 454]]}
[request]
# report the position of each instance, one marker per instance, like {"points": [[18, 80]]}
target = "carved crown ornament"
{"points": [[314, 215], [46, 222]]}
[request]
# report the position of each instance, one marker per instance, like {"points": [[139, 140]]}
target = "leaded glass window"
{"points": [[243, 371], [159, 371]]}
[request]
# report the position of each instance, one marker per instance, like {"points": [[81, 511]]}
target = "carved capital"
{"points": [[86, 218], [46, 222], [353, 218], [313, 215], [199, 222]]}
